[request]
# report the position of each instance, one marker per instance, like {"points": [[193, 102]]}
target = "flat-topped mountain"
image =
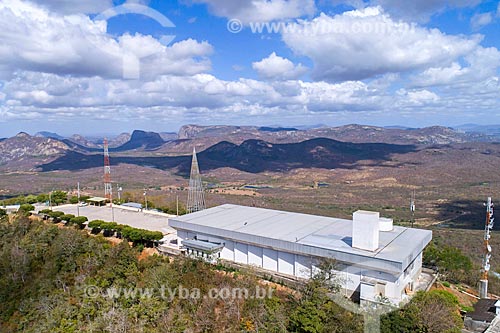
{"points": [[142, 140]]}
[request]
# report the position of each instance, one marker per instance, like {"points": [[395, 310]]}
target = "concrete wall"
{"points": [[365, 230], [286, 263], [227, 252], [255, 255], [270, 259], [305, 266], [241, 253]]}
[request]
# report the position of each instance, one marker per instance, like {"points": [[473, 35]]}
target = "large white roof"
{"points": [[307, 234]]}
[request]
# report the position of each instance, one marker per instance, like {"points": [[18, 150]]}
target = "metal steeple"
{"points": [[196, 196]]}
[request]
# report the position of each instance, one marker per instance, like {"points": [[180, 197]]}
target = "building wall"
{"points": [[286, 263], [227, 252], [241, 253], [270, 259], [305, 266], [255, 254]]}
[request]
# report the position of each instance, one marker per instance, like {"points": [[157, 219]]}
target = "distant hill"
{"points": [[82, 141], [142, 140], [168, 136], [483, 129], [277, 129], [24, 152], [45, 134], [258, 156], [119, 140], [252, 156]]}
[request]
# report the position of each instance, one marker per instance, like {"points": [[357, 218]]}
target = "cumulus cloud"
{"points": [[479, 20], [480, 65], [420, 97], [204, 98], [278, 68], [75, 6], [260, 10], [61, 66], [422, 10], [35, 39], [365, 43]]}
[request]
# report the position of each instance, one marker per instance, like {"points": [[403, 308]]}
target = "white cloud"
{"points": [[421, 97], [278, 68], [204, 98], [365, 43], [260, 10], [75, 6], [479, 20], [38, 40], [480, 65], [422, 10]]}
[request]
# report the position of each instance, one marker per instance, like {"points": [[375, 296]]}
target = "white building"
{"points": [[375, 258]]}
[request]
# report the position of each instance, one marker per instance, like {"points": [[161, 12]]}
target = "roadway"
{"points": [[133, 217]]}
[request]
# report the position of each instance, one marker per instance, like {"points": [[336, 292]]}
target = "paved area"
{"points": [[153, 221]]}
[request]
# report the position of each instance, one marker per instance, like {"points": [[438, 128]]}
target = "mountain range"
{"points": [[247, 148]]}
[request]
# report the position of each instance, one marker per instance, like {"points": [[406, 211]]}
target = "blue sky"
{"points": [[64, 68]]}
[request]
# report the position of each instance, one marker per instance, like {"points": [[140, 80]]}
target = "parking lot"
{"points": [[153, 221]]}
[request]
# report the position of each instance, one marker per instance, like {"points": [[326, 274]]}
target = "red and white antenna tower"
{"points": [[108, 189], [483, 283]]}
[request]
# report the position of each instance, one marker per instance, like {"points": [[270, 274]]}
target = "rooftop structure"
{"points": [[132, 205]]}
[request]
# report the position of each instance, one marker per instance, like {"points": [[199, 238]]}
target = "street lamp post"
{"points": [[78, 203], [146, 199]]}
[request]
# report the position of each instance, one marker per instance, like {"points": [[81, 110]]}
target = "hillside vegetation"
{"points": [[56, 279]]}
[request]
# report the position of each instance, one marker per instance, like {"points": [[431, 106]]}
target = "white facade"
{"points": [[389, 271]]}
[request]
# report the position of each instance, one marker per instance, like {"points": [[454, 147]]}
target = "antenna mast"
{"points": [[483, 283], [196, 196], [412, 208], [108, 189]]}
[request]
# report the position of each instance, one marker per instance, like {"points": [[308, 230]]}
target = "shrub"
{"points": [[3, 212], [26, 208], [95, 223], [454, 266], [31, 199], [59, 197], [79, 221], [67, 217], [42, 198], [56, 214], [446, 284]]}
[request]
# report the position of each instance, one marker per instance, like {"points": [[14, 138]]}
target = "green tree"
{"points": [[26, 208], [59, 197], [42, 197], [434, 312], [454, 266], [79, 221], [67, 217], [31, 199]]}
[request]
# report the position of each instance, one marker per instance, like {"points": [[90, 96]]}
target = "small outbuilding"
{"points": [[97, 201]]}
